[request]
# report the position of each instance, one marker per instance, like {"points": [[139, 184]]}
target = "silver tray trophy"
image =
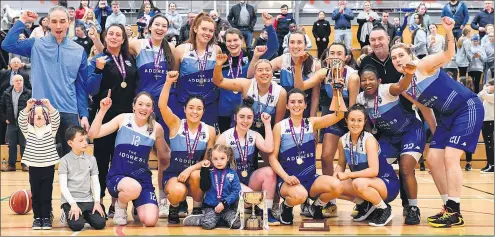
{"points": [[254, 199]]}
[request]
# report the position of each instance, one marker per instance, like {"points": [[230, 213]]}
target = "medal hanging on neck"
{"points": [[239, 68], [353, 153], [202, 65], [375, 113], [243, 153], [121, 66], [191, 149], [413, 92], [298, 142], [219, 186], [260, 105]]}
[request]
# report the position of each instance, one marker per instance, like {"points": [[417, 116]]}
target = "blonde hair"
{"points": [[223, 149], [402, 46], [85, 17]]}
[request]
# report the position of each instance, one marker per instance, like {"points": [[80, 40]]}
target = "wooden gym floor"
{"points": [[477, 205]]}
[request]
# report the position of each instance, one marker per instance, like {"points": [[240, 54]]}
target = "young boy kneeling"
{"points": [[77, 173]]}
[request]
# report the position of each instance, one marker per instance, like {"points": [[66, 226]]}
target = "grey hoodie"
{"points": [[419, 47], [476, 64], [461, 57], [174, 29], [489, 52]]}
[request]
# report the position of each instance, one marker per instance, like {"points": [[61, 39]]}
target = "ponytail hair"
{"points": [[164, 46], [202, 16]]}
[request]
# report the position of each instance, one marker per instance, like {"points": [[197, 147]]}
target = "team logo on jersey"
{"points": [[128, 63], [230, 177], [251, 139]]}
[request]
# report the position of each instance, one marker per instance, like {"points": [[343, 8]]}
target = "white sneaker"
{"points": [[63, 219], [120, 217], [163, 208]]}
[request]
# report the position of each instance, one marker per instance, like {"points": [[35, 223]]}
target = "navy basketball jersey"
{"points": [[391, 117], [229, 100], [179, 160], [151, 78], [132, 149], [249, 164], [288, 153], [263, 104], [192, 80]]}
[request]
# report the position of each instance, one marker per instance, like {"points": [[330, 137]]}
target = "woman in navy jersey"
{"points": [[370, 181], [189, 140], [294, 157], [244, 143], [402, 135], [114, 69], [237, 66], [285, 63], [154, 58], [459, 114], [195, 59], [129, 177], [350, 90]]}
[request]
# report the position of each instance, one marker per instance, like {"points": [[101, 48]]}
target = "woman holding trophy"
{"points": [[333, 68]]}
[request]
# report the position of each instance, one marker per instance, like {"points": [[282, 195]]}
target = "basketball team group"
{"points": [[220, 126]]}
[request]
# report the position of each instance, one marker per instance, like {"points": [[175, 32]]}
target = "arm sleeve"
{"points": [[335, 14], [205, 181], [271, 43], [12, 44], [82, 95], [95, 183], [236, 189], [315, 34], [484, 95], [474, 23], [253, 19], [349, 14], [308, 42], [3, 107], [94, 79], [64, 189], [466, 14], [230, 17], [55, 122]]}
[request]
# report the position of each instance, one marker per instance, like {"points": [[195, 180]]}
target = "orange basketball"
{"points": [[20, 201]]}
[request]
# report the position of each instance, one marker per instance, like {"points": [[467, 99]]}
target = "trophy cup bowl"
{"points": [[253, 199], [336, 68]]}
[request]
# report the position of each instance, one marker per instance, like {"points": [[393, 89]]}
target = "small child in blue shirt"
{"points": [[221, 186]]}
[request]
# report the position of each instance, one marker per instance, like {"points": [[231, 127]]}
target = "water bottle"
{"points": [[4, 164]]}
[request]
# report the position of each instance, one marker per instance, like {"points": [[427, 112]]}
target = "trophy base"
{"points": [[253, 224], [314, 225]]}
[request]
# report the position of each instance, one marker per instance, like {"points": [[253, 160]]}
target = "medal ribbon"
{"points": [[158, 56], [217, 185], [413, 93], [242, 152], [268, 98], [191, 149], [120, 65], [239, 66], [299, 141], [375, 108], [202, 63]]}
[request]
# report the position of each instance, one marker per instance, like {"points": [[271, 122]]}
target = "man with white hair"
{"points": [[218, 21], [483, 18], [60, 66]]}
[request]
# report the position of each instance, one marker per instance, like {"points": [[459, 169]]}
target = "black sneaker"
{"points": [[37, 224], [468, 167], [449, 219], [197, 211], [173, 215], [316, 212], [488, 170], [46, 224], [183, 209], [111, 211], [382, 216], [364, 210], [413, 216], [438, 215], [287, 216], [422, 166]]}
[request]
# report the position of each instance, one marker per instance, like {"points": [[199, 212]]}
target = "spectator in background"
{"points": [[366, 20], [461, 57], [281, 25], [421, 10], [101, 14], [343, 17], [477, 57], [292, 29], [458, 11], [399, 29], [243, 17], [60, 79], [7, 76], [435, 42], [219, 22], [488, 70], [396, 40], [13, 100], [175, 21], [483, 18], [117, 17], [489, 29], [387, 25], [487, 130], [73, 22], [321, 32], [153, 10], [144, 17], [27, 31], [184, 30], [25, 61], [129, 32], [82, 39], [81, 10], [89, 20], [419, 38], [42, 29]]}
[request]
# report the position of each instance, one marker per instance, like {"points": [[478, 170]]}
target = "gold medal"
{"points": [[244, 173], [299, 161], [201, 81], [236, 92], [123, 84], [258, 124]]}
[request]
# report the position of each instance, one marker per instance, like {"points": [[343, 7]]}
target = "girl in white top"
{"points": [[435, 42], [42, 29], [487, 130]]}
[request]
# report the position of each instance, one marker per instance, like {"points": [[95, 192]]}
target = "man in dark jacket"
{"points": [[281, 25], [387, 25], [321, 32], [6, 76], [483, 18], [458, 11], [13, 100], [184, 30], [243, 17]]}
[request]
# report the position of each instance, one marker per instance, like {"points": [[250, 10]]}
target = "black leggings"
{"points": [[487, 132], [41, 182], [476, 76], [462, 71]]}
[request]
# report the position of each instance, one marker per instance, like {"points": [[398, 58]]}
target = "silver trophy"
{"points": [[254, 199]]}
